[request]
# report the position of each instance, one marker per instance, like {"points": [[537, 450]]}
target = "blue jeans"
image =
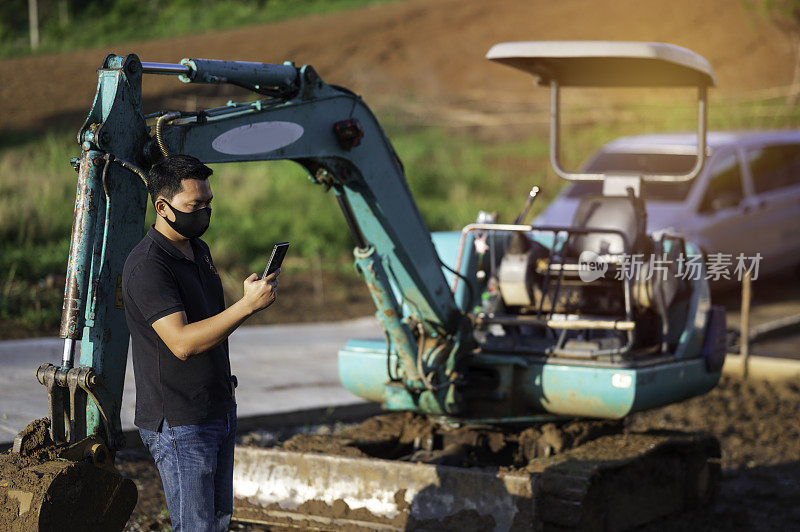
{"points": [[196, 466]]}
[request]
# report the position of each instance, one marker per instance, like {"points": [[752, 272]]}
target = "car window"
{"points": [[774, 167], [639, 163], [724, 185]]}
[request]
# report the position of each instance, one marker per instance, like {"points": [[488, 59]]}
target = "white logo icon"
{"points": [[259, 137], [590, 267]]}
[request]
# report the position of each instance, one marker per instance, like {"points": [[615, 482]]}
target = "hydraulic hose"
{"points": [[159, 125]]}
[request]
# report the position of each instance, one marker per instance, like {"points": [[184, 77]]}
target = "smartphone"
{"points": [[276, 259]]}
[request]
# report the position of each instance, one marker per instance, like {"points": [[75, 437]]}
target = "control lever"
{"points": [[528, 202]]}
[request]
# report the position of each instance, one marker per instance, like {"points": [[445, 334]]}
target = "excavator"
{"points": [[497, 325]]}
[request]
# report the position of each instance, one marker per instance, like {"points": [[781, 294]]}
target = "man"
{"points": [[174, 305]]}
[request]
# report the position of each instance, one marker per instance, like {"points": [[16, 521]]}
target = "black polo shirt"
{"points": [[159, 280]]}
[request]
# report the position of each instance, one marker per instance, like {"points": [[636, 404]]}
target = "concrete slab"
{"points": [[280, 368], [763, 367]]}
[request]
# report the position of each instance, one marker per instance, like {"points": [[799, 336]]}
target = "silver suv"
{"points": [[746, 200]]}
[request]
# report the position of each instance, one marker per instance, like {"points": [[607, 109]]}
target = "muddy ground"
{"points": [[756, 422], [759, 428]]}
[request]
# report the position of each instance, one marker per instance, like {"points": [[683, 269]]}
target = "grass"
{"points": [[107, 23], [256, 204], [452, 176]]}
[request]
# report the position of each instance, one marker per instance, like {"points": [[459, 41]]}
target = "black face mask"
{"points": [[190, 224]]}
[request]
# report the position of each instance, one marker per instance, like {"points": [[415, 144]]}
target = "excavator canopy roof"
{"points": [[606, 63]]}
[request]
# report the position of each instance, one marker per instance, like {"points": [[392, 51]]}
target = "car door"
{"points": [[774, 171], [721, 220]]}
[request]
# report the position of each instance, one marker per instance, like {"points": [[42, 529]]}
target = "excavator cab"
{"points": [[578, 320], [606, 251]]}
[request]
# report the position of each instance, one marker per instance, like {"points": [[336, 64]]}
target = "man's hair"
{"points": [[164, 178]]}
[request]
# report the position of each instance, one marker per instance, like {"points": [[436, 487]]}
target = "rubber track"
{"points": [[655, 475]]}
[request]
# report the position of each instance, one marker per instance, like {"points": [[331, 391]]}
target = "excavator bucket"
{"points": [[42, 489]]}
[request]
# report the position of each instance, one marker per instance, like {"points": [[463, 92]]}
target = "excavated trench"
{"points": [[410, 437]]}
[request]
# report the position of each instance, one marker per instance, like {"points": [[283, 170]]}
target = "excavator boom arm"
{"points": [[327, 130]]}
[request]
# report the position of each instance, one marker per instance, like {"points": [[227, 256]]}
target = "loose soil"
{"points": [[415, 438], [759, 428], [756, 422]]}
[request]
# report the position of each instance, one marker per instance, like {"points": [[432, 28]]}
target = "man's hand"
{"points": [[260, 293], [188, 339]]}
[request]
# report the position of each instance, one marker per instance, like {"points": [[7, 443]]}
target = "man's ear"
{"points": [[161, 207]]}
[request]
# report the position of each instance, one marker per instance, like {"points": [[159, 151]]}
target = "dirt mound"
{"points": [[756, 421], [415, 438], [433, 50], [36, 443]]}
